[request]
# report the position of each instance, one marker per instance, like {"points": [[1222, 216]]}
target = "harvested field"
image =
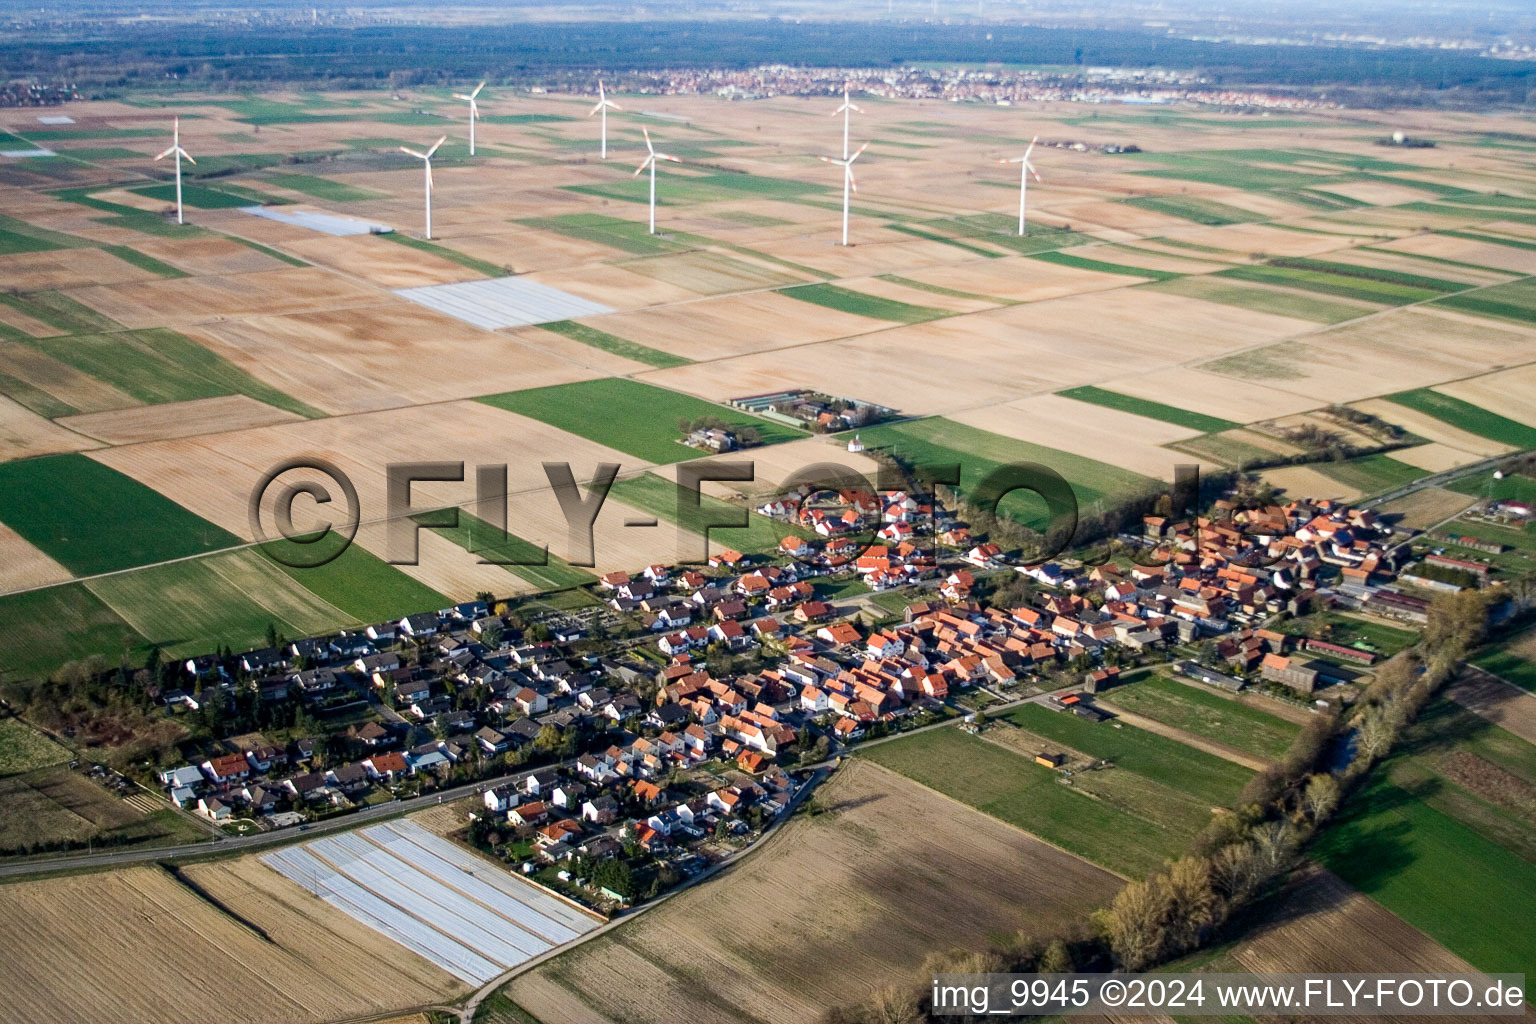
{"points": [[1467, 250], [1307, 482], [837, 907], [306, 960], [1434, 458], [733, 325], [885, 288], [1508, 393], [383, 355], [178, 419], [1407, 263], [67, 268], [1266, 298], [1017, 278], [1266, 239], [1426, 507], [1362, 359], [1327, 926], [163, 303], [1433, 428], [53, 388], [23, 433], [1118, 438], [56, 804], [379, 260], [1238, 400], [1501, 703], [207, 254], [25, 565]]}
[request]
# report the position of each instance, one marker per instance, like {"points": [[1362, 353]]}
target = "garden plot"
{"points": [[177, 419], [503, 302], [470, 919]]}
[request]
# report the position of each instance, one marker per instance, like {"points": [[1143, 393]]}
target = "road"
{"points": [[246, 844]]}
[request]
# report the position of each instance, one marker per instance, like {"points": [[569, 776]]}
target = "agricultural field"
{"points": [[1449, 809], [1011, 787], [23, 748], [259, 932], [834, 907], [636, 418], [1202, 711], [1145, 407], [653, 493]]}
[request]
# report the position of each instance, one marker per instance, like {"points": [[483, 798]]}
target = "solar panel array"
{"points": [[463, 914], [503, 302], [325, 223]]}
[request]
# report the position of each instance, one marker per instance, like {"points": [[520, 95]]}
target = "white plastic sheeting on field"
{"points": [[503, 302], [462, 913], [325, 223], [27, 154]]}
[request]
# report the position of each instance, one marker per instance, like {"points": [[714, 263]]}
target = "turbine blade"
{"points": [[477, 90], [594, 110], [860, 150], [612, 105], [439, 142], [853, 185], [167, 153], [1031, 168], [650, 148], [186, 156], [1031, 148], [643, 165], [667, 156], [414, 153], [855, 108], [825, 159], [460, 96]]}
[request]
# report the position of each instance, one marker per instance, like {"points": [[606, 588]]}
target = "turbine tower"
{"points": [[604, 104], [426, 160], [1025, 170], [848, 184], [848, 105], [651, 157], [474, 112], [178, 153]]}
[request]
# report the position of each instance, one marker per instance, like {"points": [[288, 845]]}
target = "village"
{"points": [[689, 708]]}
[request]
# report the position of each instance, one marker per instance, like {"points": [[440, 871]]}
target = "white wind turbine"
{"points": [[1025, 170], [848, 105], [848, 184], [474, 112], [604, 104], [178, 153], [426, 159], [650, 161]]}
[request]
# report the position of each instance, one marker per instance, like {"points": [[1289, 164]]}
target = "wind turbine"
{"points": [[426, 159], [1025, 170], [604, 104], [848, 105], [178, 153], [650, 161], [848, 184], [474, 113]]}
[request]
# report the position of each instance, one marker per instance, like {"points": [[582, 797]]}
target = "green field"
{"points": [[1014, 789], [23, 748], [324, 188], [160, 365], [636, 418], [476, 536], [934, 236], [1328, 283], [92, 519], [1514, 301], [938, 289], [1153, 757], [365, 587], [199, 196], [1207, 714], [936, 441], [1466, 416], [1473, 236], [1067, 259], [675, 190], [1443, 877], [474, 263], [19, 236], [658, 496], [1225, 448], [1509, 666], [1513, 486], [1199, 210], [1266, 299], [59, 311], [1352, 631], [45, 628], [873, 306], [614, 344], [1371, 474], [144, 262], [629, 236], [1154, 410]]}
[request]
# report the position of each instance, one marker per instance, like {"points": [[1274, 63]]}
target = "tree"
{"points": [[1056, 959], [1320, 797], [486, 598], [492, 635], [1193, 904], [1133, 922], [271, 634]]}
